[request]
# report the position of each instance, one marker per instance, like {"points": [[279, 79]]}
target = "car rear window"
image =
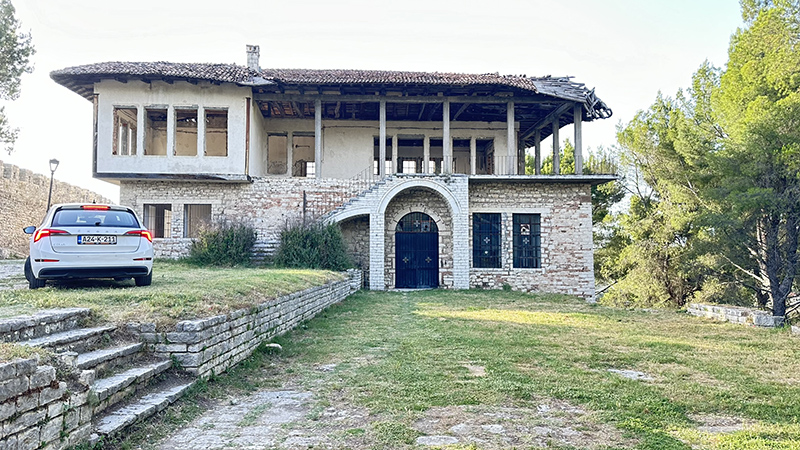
{"points": [[83, 218]]}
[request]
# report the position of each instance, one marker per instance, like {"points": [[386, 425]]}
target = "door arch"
{"points": [[416, 242]]}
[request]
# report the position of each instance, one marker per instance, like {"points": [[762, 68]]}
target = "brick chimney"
{"points": [[253, 53]]}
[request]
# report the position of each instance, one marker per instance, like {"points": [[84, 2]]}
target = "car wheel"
{"points": [[145, 280], [33, 282]]}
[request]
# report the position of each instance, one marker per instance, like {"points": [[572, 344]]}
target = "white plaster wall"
{"points": [[258, 142], [177, 95], [348, 145]]}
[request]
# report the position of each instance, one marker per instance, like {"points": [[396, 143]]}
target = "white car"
{"points": [[89, 241]]}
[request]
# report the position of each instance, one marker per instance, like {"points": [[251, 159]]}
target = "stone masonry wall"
{"points": [[566, 236], [735, 314], [432, 204], [268, 204], [355, 233], [23, 202], [209, 346]]}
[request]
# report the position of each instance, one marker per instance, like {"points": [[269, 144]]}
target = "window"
{"points": [[185, 132], [155, 136], [409, 166], [527, 241], [303, 156], [195, 219], [217, 132], [125, 120], [486, 233], [158, 219], [376, 163], [310, 169]]}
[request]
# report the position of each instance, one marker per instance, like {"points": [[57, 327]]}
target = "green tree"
{"points": [[16, 50]]}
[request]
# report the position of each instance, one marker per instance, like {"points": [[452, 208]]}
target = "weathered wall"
{"points": [[267, 204], [23, 202], [355, 233], [566, 236], [209, 346]]}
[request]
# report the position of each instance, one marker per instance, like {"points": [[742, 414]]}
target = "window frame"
{"points": [[487, 226], [527, 255]]}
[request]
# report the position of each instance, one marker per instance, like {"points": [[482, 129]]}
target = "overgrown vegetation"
{"points": [[223, 245], [400, 355], [179, 291], [314, 246], [715, 180], [16, 50]]}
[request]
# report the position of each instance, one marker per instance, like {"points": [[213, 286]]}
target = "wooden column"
{"points": [[511, 159], [290, 153], [473, 151], [578, 123], [447, 144], [537, 155], [171, 131], [201, 136], [394, 153], [426, 153], [318, 138], [556, 149], [382, 140]]}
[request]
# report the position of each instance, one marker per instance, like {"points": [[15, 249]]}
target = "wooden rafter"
{"points": [[546, 120], [460, 110]]}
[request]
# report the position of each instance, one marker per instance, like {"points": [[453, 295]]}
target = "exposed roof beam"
{"points": [[460, 110], [391, 99], [421, 111], [297, 109], [546, 120]]}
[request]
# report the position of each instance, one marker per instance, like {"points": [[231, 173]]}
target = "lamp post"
{"points": [[53, 167]]}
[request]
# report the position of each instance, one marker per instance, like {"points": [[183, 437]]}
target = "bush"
{"points": [[223, 245], [314, 246]]}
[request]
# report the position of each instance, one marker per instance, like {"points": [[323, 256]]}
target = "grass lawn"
{"points": [[410, 357], [179, 291]]}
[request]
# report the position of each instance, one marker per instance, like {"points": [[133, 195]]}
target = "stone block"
{"points": [[55, 409], [51, 394], [8, 443], [7, 409], [27, 402], [796, 330], [51, 430], [13, 387], [25, 421], [43, 376]]}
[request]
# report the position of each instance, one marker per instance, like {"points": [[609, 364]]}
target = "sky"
{"points": [[627, 50]]}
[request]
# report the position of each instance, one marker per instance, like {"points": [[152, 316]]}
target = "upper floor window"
{"points": [[125, 121], [527, 241], [216, 132], [185, 132], [155, 131]]}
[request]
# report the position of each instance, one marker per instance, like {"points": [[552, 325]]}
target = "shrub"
{"points": [[223, 245], [315, 246]]}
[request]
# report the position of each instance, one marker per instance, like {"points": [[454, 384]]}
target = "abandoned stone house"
{"points": [[425, 172]]}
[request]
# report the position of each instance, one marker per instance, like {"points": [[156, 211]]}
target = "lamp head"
{"points": [[53, 165]]}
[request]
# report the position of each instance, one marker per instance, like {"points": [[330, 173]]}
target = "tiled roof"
{"points": [[80, 79]]}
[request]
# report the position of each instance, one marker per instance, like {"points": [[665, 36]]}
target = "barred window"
{"points": [[158, 219], [527, 241], [195, 218], [486, 235]]}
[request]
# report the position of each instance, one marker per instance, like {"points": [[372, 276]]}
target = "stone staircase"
{"points": [[127, 384], [366, 196]]}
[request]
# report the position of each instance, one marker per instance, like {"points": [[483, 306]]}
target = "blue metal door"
{"points": [[416, 252]]}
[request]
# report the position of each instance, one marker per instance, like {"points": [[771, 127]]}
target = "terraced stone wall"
{"points": [[208, 346], [735, 314], [23, 202]]}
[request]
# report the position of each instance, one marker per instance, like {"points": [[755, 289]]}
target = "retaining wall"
{"points": [[204, 347], [735, 314]]}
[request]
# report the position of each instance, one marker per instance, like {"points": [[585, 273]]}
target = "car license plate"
{"points": [[97, 240]]}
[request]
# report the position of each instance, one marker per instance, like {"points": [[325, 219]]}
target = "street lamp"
{"points": [[53, 167]]}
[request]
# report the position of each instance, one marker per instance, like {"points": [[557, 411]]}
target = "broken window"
{"points": [[158, 219], [155, 131], [484, 157], [125, 120], [276, 155], [185, 132], [216, 132], [303, 157], [195, 219], [461, 156]]}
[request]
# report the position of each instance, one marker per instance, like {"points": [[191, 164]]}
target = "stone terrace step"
{"points": [[41, 323], [106, 387], [69, 340], [161, 396], [93, 359]]}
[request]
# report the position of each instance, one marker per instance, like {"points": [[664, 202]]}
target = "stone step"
{"points": [[78, 339], [105, 356], [106, 388], [159, 397], [41, 323]]}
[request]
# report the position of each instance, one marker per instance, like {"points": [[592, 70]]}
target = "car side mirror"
{"points": [[29, 230]]}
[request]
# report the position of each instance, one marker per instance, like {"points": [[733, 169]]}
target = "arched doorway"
{"points": [[416, 252]]}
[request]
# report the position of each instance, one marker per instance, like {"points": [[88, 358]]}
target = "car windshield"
{"points": [[83, 218]]}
